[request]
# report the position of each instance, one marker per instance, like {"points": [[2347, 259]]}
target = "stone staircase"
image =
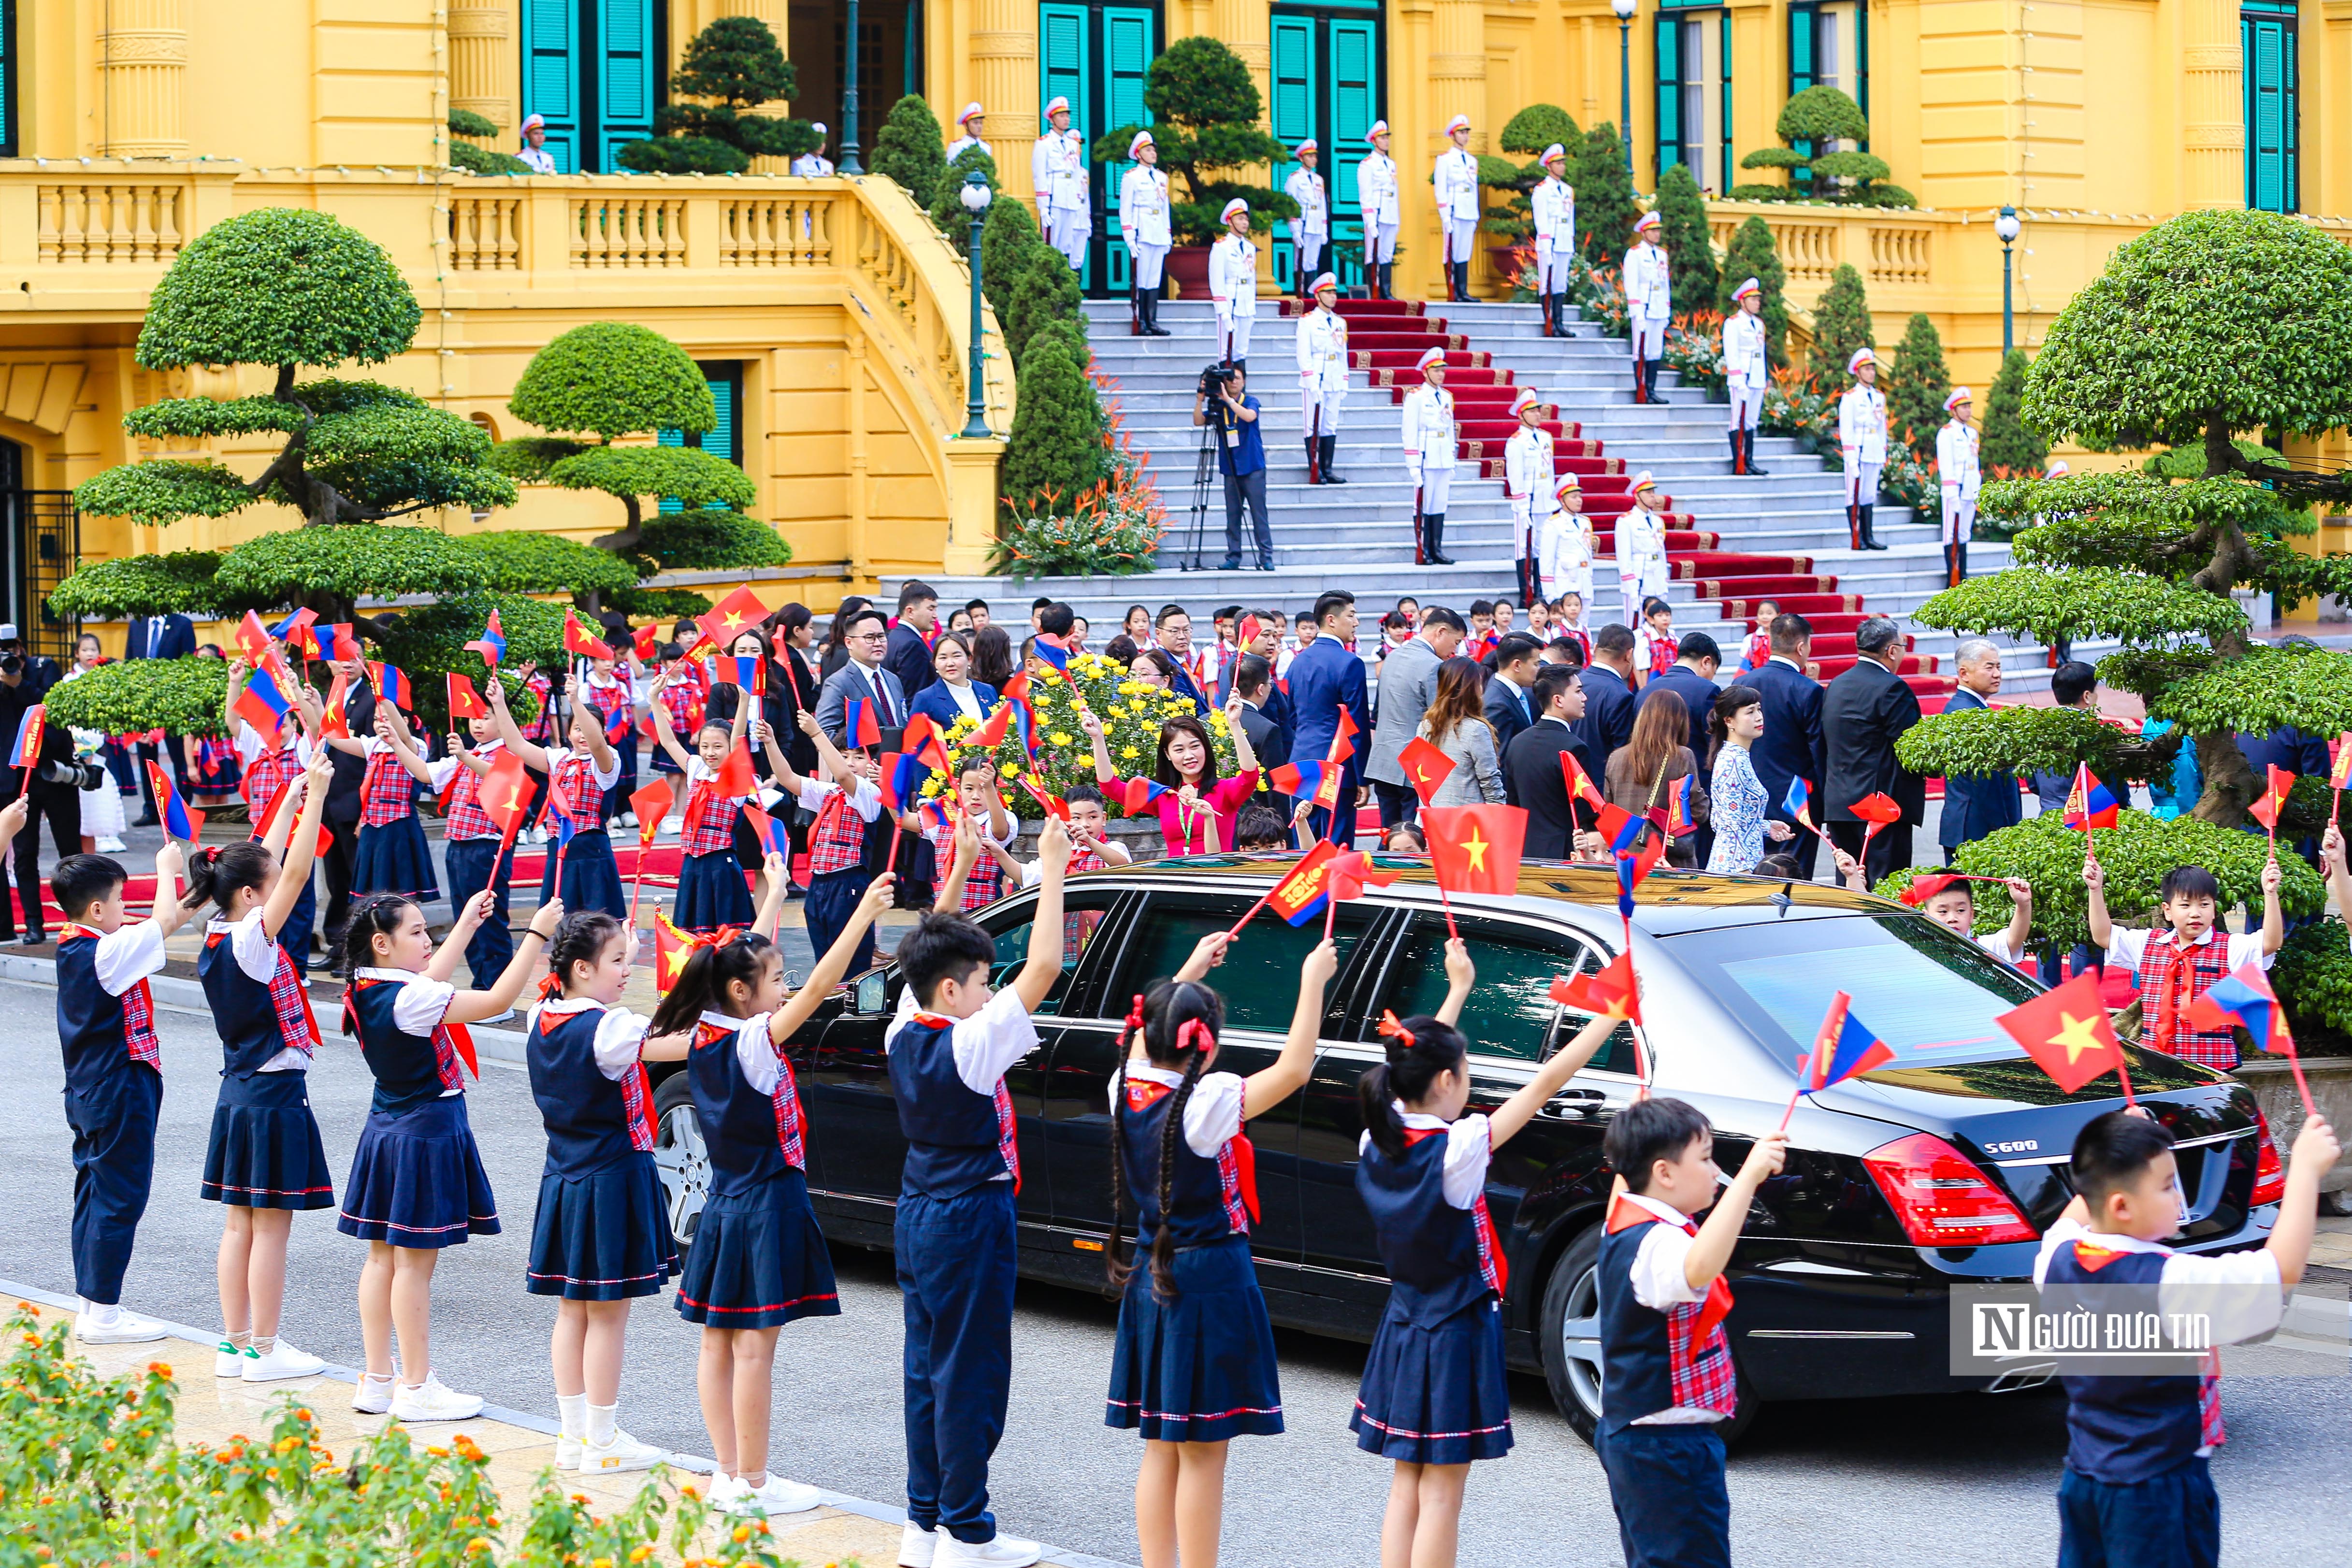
{"points": [[1733, 538]]}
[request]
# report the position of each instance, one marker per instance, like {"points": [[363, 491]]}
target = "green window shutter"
{"points": [[625, 76], [1731, 176], [1669, 33], [725, 437], [1130, 37], [7, 79], [1062, 63], [1293, 120], [1353, 88], [550, 76], [1802, 20], [2269, 47]]}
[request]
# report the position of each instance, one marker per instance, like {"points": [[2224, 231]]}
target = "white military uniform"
{"points": [[1430, 438], [1641, 560], [1065, 186], [1862, 441], [1376, 188], [1956, 468], [1311, 231], [1322, 370], [1648, 300], [1456, 178], [1555, 213], [1744, 366], [1564, 551], [812, 165], [961, 143], [1233, 289], [1143, 221], [1527, 480]]}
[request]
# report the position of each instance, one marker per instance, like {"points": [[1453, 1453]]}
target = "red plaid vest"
{"points": [[467, 819], [1698, 1352], [790, 1133], [985, 884], [2169, 980], [269, 772], [710, 820], [544, 726], [686, 706], [387, 792], [1662, 654], [837, 841], [574, 783]]}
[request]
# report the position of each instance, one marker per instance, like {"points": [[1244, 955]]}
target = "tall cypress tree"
{"points": [[1056, 447], [1690, 250], [910, 150], [1604, 197], [1915, 399], [2009, 443], [1752, 253], [1841, 325]]}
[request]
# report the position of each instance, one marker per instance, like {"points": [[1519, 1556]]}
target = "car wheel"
{"points": [[1569, 1332], [680, 1157]]}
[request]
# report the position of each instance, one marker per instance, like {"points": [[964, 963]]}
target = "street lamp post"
{"points": [[975, 195], [1624, 9], [2006, 226], [849, 164]]}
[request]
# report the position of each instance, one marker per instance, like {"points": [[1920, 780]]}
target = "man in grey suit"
{"points": [[1976, 804], [1408, 685], [866, 638]]}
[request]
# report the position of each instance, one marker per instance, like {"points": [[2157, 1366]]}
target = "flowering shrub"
{"points": [[1794, 405], [1694, 349], [1131, 714], [89, 1474], [1600, 290], [1113, 527]]}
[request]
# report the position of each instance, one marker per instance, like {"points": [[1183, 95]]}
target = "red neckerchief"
{"points": [[1625, 1214]]}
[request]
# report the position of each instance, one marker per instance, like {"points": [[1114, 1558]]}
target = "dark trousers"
{"points": [[114, 1166], [1889, 851], [1806, 847], [2087, 959], [62, 805], [474, 864], [956, 1262], [1398, 803], [335, 861], [1666, 1485], [832, 899], [1249, 489], [2171, 1520], [169, 754]]}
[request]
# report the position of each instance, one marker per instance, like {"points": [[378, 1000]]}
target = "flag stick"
{"points": [[2295, 1060], [1452, 934], [637, 887], [2123, 1075], [1330, 912], [1794, 1096], [1252, 909], [898, 826]]}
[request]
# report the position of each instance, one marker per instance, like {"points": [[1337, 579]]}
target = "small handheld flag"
{"points": [[252, 637], [1053, 804], [506, 794], [577, 641], [672, 948], [294, 625], [1633, 866], [2277, 783], [1679, 823], [1476, 849], [465, 701], [1798, 804], [991, 735], [740, 608], [645, 642], [774, 840], [391, 684], [652, 805], [736, 777], [1136, 794], [345, 645], [1612, 993], [1246, 632], [2089, 803], [1301, 894], [29, 731], [261, 705], [1844, 1048], [492, 644], [1426, 767], [334, 721], [2067, 1033], [743, 670], [1343, 738], [1879, 810], [857, 723], [1048, 648], [181, 820], [1309, 780], [268, 817], [2243, 996], [902, 776], [2340, 772]]}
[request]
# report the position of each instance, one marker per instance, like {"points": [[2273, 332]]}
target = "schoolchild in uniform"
{"points": [[471, 840], [270, 761], [611, 691], [1654, 643], [264, 1161], [1435, 1395], [1194, 1365], [843, 803], [114, 1083], [600, 1237], [416, 1183], [578, 779], [391, 855], [1666, 1370], [955, 1233], [980, 802], [2139, 1490], [1951, 902], [2181, 963], [681, 694], [711, 892], [758, 1259], [1757, 651], [542, 730]]}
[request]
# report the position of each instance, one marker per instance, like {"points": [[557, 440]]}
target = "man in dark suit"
{"points": [[1408, 685], [1863, 712], [864, 676], [1608, 721], [1791, 746], [1326, 678], [909, 654], [1690, 680], [1533, 778], [1253, 683], [1976, 804], [1511, 690], [167, 636], [343, 801]]}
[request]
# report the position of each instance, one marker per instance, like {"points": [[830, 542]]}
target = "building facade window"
{"points": [[590, 70], [8, 79], [1328, 84], [725, 437], [1828, 45], [2266, 32], [1095, 54], [1694, 54]]}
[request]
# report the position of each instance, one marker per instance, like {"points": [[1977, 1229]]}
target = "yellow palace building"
{"points": [[833, 322]]}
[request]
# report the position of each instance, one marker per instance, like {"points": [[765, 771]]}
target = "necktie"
{"points": [[882, 700]]}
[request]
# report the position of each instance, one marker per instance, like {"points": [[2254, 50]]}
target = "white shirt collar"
{"points": [[1150, 1074], [1665, 1211], [1784, 659], [722, 1021], [1419, 1120], [402, 975], [2204, 941], [563, 1007]]}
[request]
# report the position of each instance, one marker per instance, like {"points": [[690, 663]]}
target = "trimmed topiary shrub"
{"points": [[1605, 208], [729, 68], [1056, 446], [1752, 253], [708, 538], [1812, 124], [331, 572], [135, 585], [948, 214], [1047, 293], [2010, 448], [1690, 249], [2022, 740], [428, 644], [1918, 387], [911, 149], [521, 561], [130, 697], [1841, 325]]}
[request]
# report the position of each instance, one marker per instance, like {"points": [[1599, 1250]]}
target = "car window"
{"points": [[1085, 908], [1510, 1012], [1258, 979]]}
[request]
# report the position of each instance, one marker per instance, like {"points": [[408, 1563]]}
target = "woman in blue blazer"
{"points": [[955, 694]]}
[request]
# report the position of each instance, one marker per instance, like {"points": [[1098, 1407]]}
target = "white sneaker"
{"points": [[122, 1328], [1004, 1552], [373, 1396], [624, 1453], [228, 1361], [777, 1497], [567, 1452], [110, 845], [431, 1401], [282, 1361], [917, 1546], [725, 1492], [628, 819]]}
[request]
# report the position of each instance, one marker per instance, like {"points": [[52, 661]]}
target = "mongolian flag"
{"points": [[672, 948], [577, 641], [1026, 723], [294, 626], [1309, 780], [2088, 804], [492, 644], [744, 670], [902, 776], [1301, 895], [859, 727], [651, 804], [774, 840], [391, 684], [1678, 824], [1844, 1048], [1611, 994], [1880, 811], [260, 703], [30, 728], [922, 742], [1425, 766], [1135, 794], [1050, 651], [1798, 804], [731, 614], [1475, 849], [465, 701], [252, 638], [1633, 866], [2276, 784], [302, 637], [2066, 1031], [933, 816], [1620, 829], [345, 645], [2243, 996], [181, 820], [617, 723]]}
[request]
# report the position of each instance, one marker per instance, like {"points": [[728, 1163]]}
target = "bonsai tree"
{"points": [[1205, 109], [2213, 323], [911, 148], [729, 68], [1920, 384], [289, 288], [1605, 209], [1690, 249], [1056, 450], [1752, 253], [2008, 447], [1812, 124], [479, 159], [1841, 325]]}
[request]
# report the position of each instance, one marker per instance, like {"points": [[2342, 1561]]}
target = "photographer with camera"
{"points": [[56, 783], [1241, 458]]}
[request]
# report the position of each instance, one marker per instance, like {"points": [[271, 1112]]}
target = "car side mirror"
{"points": [[873, 991]]}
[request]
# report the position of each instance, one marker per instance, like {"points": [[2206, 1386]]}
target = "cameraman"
{"points": [[25, 677], [56, 783], [1240, 454]]}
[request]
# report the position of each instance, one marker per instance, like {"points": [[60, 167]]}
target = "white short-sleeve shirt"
{"points": [[986, 1043], [256, 954], [2126, 945], [620, 1033], [1661, 1282], [1212, 1116], [1469, 1146], [755, 1049], [127, 957], [421, 1005]]}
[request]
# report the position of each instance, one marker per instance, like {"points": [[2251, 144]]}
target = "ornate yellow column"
{"points": [[1005, 66], [2212, 118], [482, 63], [145, 54]]}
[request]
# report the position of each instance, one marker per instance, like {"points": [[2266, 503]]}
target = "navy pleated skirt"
{"points": [[264, 1151], [1436, 1394], [395, 858], [711, 892], [758, 1260], [591, 880], [1200, 1367], [603, 1236], [417, 1179]]}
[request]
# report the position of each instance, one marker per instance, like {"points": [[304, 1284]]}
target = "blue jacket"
{"points": [[1976, 804], [940, 702], [1608, 721], [1791, 746], [1695, 692], [1324, 678]]}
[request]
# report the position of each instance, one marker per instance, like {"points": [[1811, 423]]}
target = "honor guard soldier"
{"points": [[1143, 224], [815, 164], [1862, 441], [1746, 371], [1956, 468], [1430, 438], [1526, 481], [1311, 231], [1457, 179], [1648, 303], [1565, 544], [1057, 168], [1641, 549], [1555, 213], [969, 124], [1233, 282], [1377, 193], [1322, 377]]}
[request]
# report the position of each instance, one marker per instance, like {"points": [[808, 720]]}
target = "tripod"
{"points": [[1204, 470]]}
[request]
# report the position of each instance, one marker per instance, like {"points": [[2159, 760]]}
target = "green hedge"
{"points": [[351, 563], [2312, 976], [184, 697], [522, 562], [429, 643], [136, 585]]}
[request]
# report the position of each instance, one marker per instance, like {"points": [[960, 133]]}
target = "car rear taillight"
{"points": [[2270, 1173], [1940, 1195]]}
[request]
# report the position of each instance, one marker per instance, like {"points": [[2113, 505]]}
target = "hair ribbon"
{"points": [[1391, 1030]]}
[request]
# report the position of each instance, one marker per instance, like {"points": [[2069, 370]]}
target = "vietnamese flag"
{"points": [[465, 701], [1352, 871], [730, 615], [736, 777], [672, 948], [2276, 784], [576, 640], [391, 684], [2067, 1033], [1476, 849], [1880, 811], [1301, 895], [1053, 804], [1580, 783], [990, 735], [252, 637], [334, 721], [1612, 993], [1343, 738], [506, 793], [2089, 803], [651, 804], [268, 819], [645, 642], [1426, 767], [181, 820]]}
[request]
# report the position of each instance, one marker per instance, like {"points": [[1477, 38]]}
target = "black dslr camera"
{"points": [[1216, 379]]}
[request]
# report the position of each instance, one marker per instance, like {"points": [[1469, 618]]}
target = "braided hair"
{"points": [[1179, 1021], [1420, 1051]]}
